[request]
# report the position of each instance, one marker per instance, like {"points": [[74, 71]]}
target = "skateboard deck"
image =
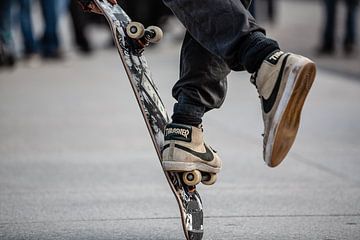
{"points": [[154, 113]]}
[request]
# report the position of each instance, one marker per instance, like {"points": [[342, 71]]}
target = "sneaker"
{"points": [[184, 150], [283, 82]]}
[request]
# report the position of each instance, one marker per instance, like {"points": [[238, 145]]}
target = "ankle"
{"points": [[186, 120], [188, 113], [259, 48]]}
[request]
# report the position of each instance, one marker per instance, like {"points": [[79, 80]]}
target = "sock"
{"points": [[256, 48]]}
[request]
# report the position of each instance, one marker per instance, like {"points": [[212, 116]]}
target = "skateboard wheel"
{"points": [[209, 178], [135, 30], [192, 178], [157, 34]]}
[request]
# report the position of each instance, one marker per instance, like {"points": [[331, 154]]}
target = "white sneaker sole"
{"points": [[282, 136], [174, 166]]}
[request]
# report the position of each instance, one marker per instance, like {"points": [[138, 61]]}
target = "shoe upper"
{"points": [[270, 83], [185, 143], [275, 81], [265, 78]]}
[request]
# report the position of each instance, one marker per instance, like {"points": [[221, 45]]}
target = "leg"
{"points": [[79, 24], [5, 22], [50, 40], [271, 10], [6, 42], [226, 29], [350, 36], [329, 31], [26, 27], [212, 47], [202, 85]]}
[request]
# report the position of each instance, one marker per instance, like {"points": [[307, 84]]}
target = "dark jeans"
{"points": [[221, 36], [329, 32], [49, 40], [5, 23], [26, 26], [79, 23]]}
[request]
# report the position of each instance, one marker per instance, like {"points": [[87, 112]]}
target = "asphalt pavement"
{"points": [[76, 161]]}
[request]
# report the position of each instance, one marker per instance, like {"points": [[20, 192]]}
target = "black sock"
{"points": [[256, 48], [187, 112]]}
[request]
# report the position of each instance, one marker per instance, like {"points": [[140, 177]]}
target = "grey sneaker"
{"points": [[283, 82], [184, 150]]}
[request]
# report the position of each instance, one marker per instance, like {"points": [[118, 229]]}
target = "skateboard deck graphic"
{"points": [[154, 113]]}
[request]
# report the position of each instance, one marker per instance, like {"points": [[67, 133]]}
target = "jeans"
{"points": [[79, 23], [26, 26], [221, 36], [49, 40], [350, 36], [5, 23]]}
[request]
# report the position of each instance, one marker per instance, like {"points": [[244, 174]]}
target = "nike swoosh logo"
{"points": [[206, 156], [268, 104]]}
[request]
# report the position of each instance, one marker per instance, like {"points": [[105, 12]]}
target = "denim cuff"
{"points": [[188, 112]]}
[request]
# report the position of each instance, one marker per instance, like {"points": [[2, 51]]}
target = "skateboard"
{"points": [[131, 38]]}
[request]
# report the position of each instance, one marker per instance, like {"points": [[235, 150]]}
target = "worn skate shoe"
{"points": [[184, 150], [283, 82]]}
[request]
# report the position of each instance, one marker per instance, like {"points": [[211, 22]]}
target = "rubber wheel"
{"points": [[158, 34], [209, 178], [135, 30], [192, 178]]}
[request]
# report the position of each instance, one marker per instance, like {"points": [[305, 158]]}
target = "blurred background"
{"points": [[325, 30], [76, 161]]}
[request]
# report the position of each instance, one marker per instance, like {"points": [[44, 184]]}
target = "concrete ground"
{"points": [[76, 161]]}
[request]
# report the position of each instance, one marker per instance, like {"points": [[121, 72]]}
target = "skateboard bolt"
{"points": [[190, 177], [133, 29]]}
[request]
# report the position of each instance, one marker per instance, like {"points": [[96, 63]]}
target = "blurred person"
{"points": [[7, 50], [270, 9], [80, 22], [48, 45], [223, 36], [62, 7], [328, 39], [49, 42], [30, 46]]}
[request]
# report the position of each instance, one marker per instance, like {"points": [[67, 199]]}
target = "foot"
{"points": [[184, 150], [283, 82]]}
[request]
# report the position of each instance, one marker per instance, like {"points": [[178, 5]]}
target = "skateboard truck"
{"points": [[144, 36], [194, 177]]}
